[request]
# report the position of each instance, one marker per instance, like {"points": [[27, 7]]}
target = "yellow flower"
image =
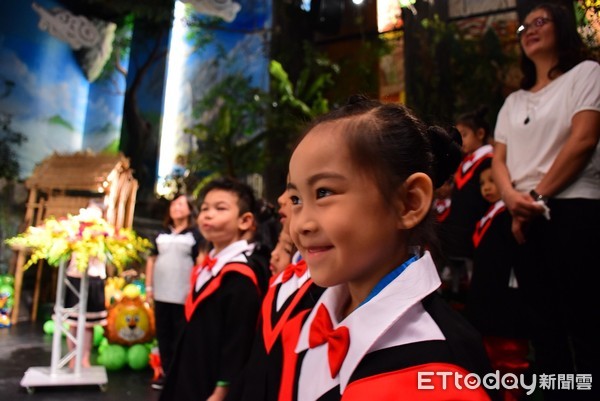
{"points": [[83, 236]]}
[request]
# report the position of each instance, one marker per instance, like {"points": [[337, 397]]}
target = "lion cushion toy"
{"points": [[130, 321]]}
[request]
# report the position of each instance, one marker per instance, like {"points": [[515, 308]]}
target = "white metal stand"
{"points": [[57, 374]]}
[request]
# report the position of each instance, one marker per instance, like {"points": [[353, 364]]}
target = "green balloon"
{"points": [[114, 357], [137, 356], [98, 334], [7, 279], [7, 290], [49, 327], [103, 345]]}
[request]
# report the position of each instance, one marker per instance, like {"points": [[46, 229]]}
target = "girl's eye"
{"points": [[295, 200], [322, 192]]}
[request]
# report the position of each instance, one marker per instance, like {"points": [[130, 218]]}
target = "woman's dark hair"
{"points": [[570, 47], [475, 120], [389, 143], [191, 221], [245, 193]]}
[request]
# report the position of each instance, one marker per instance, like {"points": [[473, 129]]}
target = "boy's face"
{"points": [[281, 256], [219, 219], [285, 211], [489, 190]]}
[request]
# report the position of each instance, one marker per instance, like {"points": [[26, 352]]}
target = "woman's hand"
{"points": [[521, 205], [149, 294], [518, 229]]}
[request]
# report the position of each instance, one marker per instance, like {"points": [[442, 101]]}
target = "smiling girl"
{"points": [[361, 186]]}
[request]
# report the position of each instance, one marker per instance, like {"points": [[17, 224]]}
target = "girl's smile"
{"points": [[339, 220]]}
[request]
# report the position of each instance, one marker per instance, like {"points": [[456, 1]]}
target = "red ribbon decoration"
{"points": [[298, 269], [338, 340], [208, 262]]}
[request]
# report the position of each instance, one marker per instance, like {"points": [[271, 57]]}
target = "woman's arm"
{"points": [[574, 155], [519, 204], [150, 277]]}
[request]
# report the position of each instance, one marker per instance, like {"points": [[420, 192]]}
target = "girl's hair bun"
{"points": [[358, 98], [446, 149], [481, 111]]}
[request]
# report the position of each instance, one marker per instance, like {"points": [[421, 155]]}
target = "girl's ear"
{"points": [[245, 221], [414, 201]]}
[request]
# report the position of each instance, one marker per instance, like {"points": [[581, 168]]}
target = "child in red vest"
{"points": [[361, 184], [223, 303]]}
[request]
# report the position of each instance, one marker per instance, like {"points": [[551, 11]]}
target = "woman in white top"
{"points": [[168, 271], [547, 166]]}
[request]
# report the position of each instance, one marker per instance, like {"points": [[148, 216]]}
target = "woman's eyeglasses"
{"points": [[538, 23]]}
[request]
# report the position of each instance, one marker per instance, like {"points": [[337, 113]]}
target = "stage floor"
{"points": [[25, 345]]}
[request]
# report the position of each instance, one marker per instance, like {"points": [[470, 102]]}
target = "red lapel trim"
{"points": [[385, 386], [270, 334], [213, 285], [289, 338], [460, 178], [481, 229]]}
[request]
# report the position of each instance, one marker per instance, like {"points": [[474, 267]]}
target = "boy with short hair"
{"points": [[223, 303]]}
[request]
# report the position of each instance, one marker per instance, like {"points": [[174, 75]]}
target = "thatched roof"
{"points": [[82, 171]]}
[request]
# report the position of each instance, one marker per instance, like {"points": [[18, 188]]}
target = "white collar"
{"points": [[479, 153], [288, 288], [234, 252], [491, 212], [408, 289]]}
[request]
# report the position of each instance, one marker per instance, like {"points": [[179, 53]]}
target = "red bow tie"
{"points": [[298, 269], [338, 340], [208, 262]]}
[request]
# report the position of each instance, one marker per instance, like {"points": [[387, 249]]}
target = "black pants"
{"points": [[170, 320], [558, 270]]}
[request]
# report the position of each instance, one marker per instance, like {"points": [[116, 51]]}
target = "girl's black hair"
{"points": [[476, 120], [168, 221], [570, 47], [388, 142]]}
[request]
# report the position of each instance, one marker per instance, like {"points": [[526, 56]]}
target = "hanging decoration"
{"points": [[225, 9], [90, 39]]}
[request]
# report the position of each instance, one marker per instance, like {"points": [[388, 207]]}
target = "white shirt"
{"points": [[532, 148], [173, 266], [234, 252]]}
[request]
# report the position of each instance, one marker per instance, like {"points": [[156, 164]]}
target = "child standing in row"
{"points": [[466, 204], [494, 303], [223, 304], [361, 185], [287, 302]]}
